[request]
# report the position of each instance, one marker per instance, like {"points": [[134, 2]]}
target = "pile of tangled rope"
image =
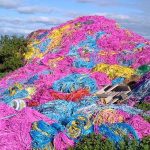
{"points": [[51, 102]]}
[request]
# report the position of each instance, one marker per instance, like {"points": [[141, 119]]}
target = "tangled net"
{"points": [[52, 101]]}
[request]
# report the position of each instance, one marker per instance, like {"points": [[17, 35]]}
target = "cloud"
{"points": [[113, 15], [8, 20], [106, 3], [45, 20], [11, 31], [100, 2], [18, 6], [34, 9], [74, 14], [33, 19], [25, 26], [85, 1], [10, 3], [143, 6], [116, 3]]}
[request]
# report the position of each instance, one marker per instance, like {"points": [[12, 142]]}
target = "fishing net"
{"points": [[53, 98]]}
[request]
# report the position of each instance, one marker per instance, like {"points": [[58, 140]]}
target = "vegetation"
{"points": [[12, 49], [143, 106], [146, 107], [96, 142]]}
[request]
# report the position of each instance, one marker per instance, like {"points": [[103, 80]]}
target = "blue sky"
{"points": [[25, 16]]}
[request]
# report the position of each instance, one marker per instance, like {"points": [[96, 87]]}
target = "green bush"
{"points": [[128, 144], [12, 49], [146, 107], [145, 143], [96, 142], [143, 106]]}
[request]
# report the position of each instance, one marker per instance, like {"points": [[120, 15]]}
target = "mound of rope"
{"points": [[52, 101]]}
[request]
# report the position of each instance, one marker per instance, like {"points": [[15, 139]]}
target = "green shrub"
{"points": [[96, 142], [143, 106], [146, 107], [145, 143], [128, 144], [12, 49]]}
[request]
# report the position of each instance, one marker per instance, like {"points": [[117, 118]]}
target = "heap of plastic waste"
{"points": [[81, 77]]}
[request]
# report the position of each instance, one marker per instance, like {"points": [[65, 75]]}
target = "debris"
{"points": [[112, 94], [79, 78]]}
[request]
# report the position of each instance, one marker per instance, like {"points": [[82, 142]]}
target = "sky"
{"points": [[24, 16]]}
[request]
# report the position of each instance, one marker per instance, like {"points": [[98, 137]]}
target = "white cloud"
{"points": [[31, 20], [34, 9], [100, 2], [133, 4], [18, 6], [11, 30], [143, 6], [10, 3], [117, 16], [25, 26], [74, 14], [8, 20], [45, 20]]}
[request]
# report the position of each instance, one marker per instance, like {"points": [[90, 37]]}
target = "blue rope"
{"points": [[74, 82]]}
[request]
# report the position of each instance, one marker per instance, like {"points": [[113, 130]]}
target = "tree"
{"points": [[12, 49]]}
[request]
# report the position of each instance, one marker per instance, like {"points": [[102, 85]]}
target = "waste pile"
{"points": [[82, 77]]}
